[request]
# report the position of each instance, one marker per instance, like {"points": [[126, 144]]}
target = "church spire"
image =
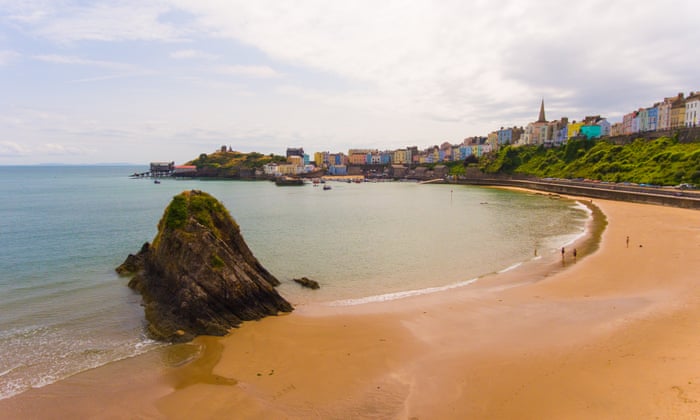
{"points": [[541, 118]]}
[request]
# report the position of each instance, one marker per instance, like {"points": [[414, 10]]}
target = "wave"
{"points": [[512, 267], [400, 295], [34, 363]]}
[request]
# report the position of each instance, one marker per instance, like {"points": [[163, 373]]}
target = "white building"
{"points": [[692, 105]]}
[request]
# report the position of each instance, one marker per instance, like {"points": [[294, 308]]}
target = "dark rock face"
{"points": [[199, 277], [133, 263], [307, 282]]}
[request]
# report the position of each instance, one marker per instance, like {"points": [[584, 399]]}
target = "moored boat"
{"points": [[285, 181]]}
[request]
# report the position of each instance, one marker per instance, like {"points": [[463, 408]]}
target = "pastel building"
{"points": [[321, 159], [508, 135], [358, 156], [652, 119], [636, 123], [337, 170], [617, 129], [665, 120], [628, 122], [504, 136], [648, 118], [573, 129], [678, 113], [590, 131], [692, 105], [556, 132], [536, 132], [492, 139], [595, 127], [400, 157]]}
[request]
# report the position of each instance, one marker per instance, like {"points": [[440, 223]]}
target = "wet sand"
{"points": [[613, 335]]}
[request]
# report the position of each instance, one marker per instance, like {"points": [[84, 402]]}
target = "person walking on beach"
{"points": [[574, 254], [562, 253], [628, 242]]}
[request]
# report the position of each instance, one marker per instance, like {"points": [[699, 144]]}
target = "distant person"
{"points": [[628, 242], [562, 253], [574, 253]]}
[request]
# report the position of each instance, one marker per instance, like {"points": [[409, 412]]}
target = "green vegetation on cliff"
{"points": [[663, 161], [229, 164], [201, 207]]}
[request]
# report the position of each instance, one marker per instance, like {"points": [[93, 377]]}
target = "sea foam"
{"points": [[400, 295]]}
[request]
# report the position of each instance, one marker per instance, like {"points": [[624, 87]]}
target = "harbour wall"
{"points": [[664, 197]]}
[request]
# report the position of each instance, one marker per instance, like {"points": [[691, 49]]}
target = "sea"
{"points": [[64, 229]]}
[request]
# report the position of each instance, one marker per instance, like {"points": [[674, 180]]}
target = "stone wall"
{"points": [[614, 192]]}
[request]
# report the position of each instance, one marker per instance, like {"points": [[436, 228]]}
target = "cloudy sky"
{"points": [[90, 81]]}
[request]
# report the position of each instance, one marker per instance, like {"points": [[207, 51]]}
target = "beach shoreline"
{"points": [[611, 336]]}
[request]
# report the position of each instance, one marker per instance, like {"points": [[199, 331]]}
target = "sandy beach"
{"points": [[610, 334]]}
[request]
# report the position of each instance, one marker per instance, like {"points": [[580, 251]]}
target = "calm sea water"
{"points": [[64, 229]]}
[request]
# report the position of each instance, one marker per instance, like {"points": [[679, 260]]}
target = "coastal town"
{"points": [[669, 116]]}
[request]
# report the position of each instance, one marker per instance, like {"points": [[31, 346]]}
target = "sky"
{"points": [[91, 81]]}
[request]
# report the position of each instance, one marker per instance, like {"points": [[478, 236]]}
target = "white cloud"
{"points": [[9, 149], [454, 58], [262, 72], [337, 73], [68, 21], [12, 149], [61, 149], [193, 55], [72, 60], [7, 57]]}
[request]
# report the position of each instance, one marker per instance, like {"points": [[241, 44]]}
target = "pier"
{"points": [[166, 169]]}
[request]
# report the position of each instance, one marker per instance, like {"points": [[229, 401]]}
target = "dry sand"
{"points": [[614, 335]]}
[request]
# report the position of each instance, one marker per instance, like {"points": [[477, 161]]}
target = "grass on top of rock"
{"points": [[202, 207]]}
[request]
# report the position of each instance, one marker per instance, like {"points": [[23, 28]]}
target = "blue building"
{"points": [[385, 158], [652, 118], [338, 170], [505, 136]]}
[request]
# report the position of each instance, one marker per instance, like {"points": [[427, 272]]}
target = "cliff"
{"points": [[199, 277]]}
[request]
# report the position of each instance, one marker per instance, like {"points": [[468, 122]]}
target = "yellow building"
{"points": [[678, 114], [319, 158], [289, 169], [296, 160], [492, 140], [400, 157], [573, 129]]}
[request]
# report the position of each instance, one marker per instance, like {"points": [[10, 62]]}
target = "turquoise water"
{"points": [[64, 229]]}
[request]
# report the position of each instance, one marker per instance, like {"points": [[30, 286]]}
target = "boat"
{"points": [[326, 187], [156, 182], [287, 181]]}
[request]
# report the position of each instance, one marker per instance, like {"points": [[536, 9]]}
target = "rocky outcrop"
{"points": [[133, 263], [199, 277], [307, 282]]}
